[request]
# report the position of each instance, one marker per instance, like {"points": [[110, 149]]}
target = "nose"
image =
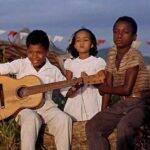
{"points": [[81, 43], [119, 34], [34, 55]]}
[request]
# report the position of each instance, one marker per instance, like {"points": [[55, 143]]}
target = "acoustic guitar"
{"points": [[27, 92]]}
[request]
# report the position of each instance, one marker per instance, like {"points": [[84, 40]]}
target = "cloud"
{"points": [[64, 17], [69, 12]]}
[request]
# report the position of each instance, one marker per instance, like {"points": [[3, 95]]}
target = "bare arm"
{"points": [[69, 74], [72, 91], [106, 97], [127, 87]]}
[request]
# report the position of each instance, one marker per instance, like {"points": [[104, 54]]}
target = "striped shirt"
{"points": [[131, 59]]}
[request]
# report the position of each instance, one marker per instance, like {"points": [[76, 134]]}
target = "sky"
{"points": [[64, 17]]}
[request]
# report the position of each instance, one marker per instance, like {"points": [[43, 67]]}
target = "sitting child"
{"points": [[36, 63], [86, 101]]}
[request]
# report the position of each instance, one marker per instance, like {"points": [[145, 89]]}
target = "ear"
{"points": [[75, 46], [92, 46], [134, 37], [47, 52]]}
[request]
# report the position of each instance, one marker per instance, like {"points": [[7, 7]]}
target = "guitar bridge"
{"points": [[2, 104]]}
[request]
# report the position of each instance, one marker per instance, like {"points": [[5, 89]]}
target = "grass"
{"points": [[9, 135]]}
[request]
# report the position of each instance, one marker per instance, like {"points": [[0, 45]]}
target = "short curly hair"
{"points": [[129, 20], [38, 37]]}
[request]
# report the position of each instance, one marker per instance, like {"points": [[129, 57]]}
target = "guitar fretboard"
{"points": [[51, 86]]}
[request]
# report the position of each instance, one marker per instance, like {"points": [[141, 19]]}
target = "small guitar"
{"points": [[27, 92]]}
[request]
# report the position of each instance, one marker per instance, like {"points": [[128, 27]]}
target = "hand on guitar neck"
{"points": [[98, 78]]}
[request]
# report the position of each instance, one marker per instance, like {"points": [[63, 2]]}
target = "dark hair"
{"points": [[38, 37], [93, 51], [129, 20]]}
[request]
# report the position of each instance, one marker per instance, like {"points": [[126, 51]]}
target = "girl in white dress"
{"points": [[83, 101]]}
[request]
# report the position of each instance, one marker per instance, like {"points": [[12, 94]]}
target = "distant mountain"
{"points": [[53, 47], [147, 60], [103, 53]]}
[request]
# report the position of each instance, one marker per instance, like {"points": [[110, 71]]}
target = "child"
{"points": [[86, 101], [36, 63], [127, 77]]}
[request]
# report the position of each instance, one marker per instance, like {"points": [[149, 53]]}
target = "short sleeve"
{"points": [[67, 64], [110, 63], [135, 59], [101, 64], [58, 75]]}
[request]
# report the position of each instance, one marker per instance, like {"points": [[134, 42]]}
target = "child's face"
{"points": [[37, 55], [83, 42], [123, 34]]}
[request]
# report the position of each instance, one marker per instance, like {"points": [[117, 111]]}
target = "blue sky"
{"points": [[64, 17]]}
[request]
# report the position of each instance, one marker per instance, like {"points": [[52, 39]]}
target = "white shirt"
{"points": [[23, 67], [88, 100]]}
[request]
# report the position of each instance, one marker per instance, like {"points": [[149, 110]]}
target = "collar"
{"points": [[114, 49], [47, 65], [90, 58]]}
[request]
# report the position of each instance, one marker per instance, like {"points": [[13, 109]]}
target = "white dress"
{"points": [[88, 100]]}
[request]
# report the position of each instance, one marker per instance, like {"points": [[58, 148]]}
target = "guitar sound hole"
{"points": [[21, 92]]}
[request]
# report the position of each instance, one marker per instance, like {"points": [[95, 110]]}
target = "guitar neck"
{"points": [[91, 79], [51, 86]]}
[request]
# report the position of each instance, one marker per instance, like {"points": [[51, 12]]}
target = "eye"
{"points": [[127, 32], [77, 40], [115, 31], [30, 52]]}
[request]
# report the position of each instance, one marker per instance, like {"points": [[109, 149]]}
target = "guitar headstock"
{"points": [[95, 79]]}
